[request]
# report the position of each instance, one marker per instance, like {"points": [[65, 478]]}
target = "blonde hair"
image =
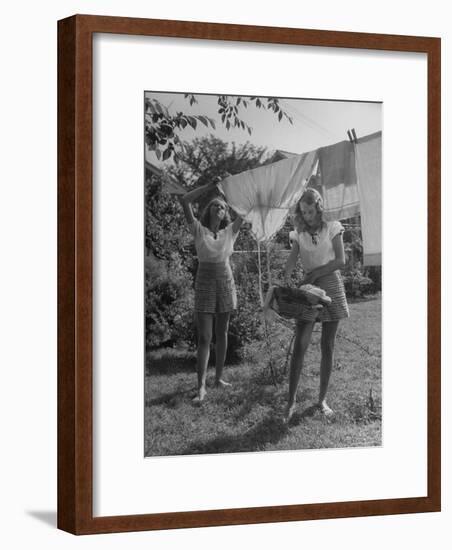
{"points": [[310, 197]]}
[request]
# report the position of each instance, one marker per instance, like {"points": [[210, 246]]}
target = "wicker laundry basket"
{"points": [[290, 302]]}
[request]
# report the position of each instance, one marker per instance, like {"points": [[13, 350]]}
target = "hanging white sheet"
{"points": [[338, 181], [263, 196], [368, 168]]}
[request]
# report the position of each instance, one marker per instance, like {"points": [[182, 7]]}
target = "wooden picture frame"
{"points": [[75, 274]]}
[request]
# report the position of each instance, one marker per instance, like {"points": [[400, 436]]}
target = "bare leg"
{"points": [[328, 339], [204, 329], [221, 333], [302, 339]]}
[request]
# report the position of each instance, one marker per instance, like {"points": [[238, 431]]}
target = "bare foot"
{"points": [[222, 384], [324, 409], [201, 395], [289, 412]]}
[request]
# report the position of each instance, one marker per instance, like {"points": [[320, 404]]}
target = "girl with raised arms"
{"points": [[215, 292]]}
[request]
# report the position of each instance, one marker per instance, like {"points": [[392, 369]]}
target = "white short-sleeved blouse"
{"points": [[209, 248], [315, 255]]}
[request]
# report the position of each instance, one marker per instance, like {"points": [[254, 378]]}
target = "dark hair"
{"points": [[205, 216], [310, 196]]}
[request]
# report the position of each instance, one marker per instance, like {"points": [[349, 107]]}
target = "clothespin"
{"points": [[352, 136]]}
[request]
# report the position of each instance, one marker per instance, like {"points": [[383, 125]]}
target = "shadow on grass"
{"points": [[355, 414], [169, 364], [262, 394], [172, 399], [308, 412], [268, 431]]}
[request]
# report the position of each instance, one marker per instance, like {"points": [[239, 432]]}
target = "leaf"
{"points": [[204, 120], [183, 123], [280, 116], [258, 103], [166, 154], [239, 99], [166, 129], [158, 153], [212, 122], [249, 130], [192, 122], [149, 106]]}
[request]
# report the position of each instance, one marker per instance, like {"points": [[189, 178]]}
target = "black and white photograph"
{"points": [[263, 273], [203, 348]]}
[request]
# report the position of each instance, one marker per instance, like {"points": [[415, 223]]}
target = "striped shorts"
{"points": [[333, 285], [215, 290]]}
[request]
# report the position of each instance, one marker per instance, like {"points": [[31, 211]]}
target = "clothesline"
{"points": [[350, 183]]}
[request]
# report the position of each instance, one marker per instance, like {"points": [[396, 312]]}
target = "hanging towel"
{"points": [[263, 196], [338, 181], [368, 168]]}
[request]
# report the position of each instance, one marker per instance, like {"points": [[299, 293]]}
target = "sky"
{"points": [[316, 122]]}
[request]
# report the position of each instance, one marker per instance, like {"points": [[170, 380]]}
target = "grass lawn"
{"points": [[248, 416]]}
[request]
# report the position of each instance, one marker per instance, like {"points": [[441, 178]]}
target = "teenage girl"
{"points": [[320, 247], [215, 292]]}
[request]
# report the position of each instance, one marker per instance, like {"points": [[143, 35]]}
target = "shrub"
{"points": [[356, 284], [169, 303], [374, 273], [246, 324]]}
